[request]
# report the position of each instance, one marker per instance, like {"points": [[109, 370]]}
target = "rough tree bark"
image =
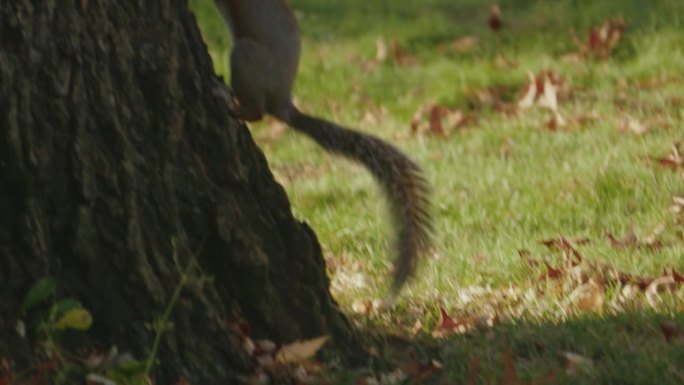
{"points": [[118, 164]]}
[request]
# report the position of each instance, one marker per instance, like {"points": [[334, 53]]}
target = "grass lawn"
{"points": [[590, 177]]}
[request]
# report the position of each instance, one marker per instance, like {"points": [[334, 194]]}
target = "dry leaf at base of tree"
{"points": [[266, 362], [265, 347], [299, 351]]}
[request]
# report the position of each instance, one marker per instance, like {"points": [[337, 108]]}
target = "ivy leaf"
{"points": [[78, 319], [39, 292]]}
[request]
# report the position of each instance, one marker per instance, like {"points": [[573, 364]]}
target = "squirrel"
{"points": [[264, 61]]}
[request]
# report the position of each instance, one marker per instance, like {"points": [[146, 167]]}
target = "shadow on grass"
{"points": [[628, 348]]}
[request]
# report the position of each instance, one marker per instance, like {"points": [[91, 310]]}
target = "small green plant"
{"points": [[64, 314]]}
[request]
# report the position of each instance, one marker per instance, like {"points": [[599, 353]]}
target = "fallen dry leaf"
{"points": [[401, 58], [632, 125], [299, 351], [566, 245], [440, 120], [465, 43], [264, 347], [601, 40], [503, 62], [589, 296], [418, 371], [447, 326], [577, 363], [657, 286], [670, 331], [630, 241], [530, 95], [495, 23], [381, 51], [673, 160]]}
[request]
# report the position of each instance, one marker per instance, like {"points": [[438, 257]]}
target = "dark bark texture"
{"points": [[119, 166]]}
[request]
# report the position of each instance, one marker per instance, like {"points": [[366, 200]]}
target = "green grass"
{"points": [[581, 181]]}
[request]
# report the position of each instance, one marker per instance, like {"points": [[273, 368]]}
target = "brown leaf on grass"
{"points": [[631, 125], [677, 204], [494, 22], [601, 40], [299, 351], [657, 286], [448, 326], [525, 255], [401, 58], [627, 279], [474, 370], [503, 62], [577, 363], [670, 331], [381, 50], [418, 371], [552, 272], [465, 43], [506, 148], [435, 120], [677, 277], [440, 120], [417, 327], [556, 122], [673, 160], [675, 101], [530, 95], [585, 119], [542, 90], [566, 245], [589, 296], [630, 241]]}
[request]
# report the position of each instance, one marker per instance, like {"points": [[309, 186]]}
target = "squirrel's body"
{"points": [[264, 61]]}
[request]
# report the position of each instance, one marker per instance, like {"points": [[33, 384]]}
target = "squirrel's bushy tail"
{"points": [[401, 179]]}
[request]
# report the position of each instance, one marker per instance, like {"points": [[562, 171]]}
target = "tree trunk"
{"points": [[120, 167]]}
